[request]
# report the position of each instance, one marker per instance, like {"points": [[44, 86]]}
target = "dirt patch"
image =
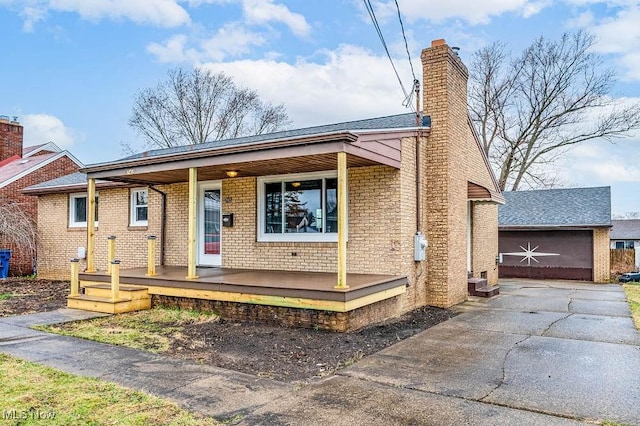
{"points": [[294, 354], [285, 354], [19, 296]]}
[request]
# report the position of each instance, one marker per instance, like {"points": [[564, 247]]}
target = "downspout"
{"points": [[418, 161], [419, 237], [163, 221]]}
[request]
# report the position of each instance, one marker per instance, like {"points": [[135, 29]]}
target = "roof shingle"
{"points": [[574, 207], [627, 229]]}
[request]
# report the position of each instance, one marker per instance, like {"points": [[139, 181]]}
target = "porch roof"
{"points": [[366, 142]]}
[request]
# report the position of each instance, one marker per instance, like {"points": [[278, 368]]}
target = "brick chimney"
{"points": [[10, 138], [445, 100]]}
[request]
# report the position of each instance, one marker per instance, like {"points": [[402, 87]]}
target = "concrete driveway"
{"points": [[542, 352]]}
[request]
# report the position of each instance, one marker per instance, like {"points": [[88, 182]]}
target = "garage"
{"points": [[555, 234], [560, 254]]}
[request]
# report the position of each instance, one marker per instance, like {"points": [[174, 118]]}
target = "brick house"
{"points": [[556, 234], [333, 226], [21, 167]]}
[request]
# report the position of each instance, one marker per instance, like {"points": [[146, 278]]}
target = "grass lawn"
{"points": [[633, 296], [34, 394], [144, 330]]}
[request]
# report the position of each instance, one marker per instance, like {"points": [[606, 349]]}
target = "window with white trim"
{"points": [[139, 207], [300, 207], [78, 210]]}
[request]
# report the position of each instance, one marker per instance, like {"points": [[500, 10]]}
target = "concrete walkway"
{"points": [[544, 353]]}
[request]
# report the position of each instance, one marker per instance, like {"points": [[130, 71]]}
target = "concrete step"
{"points": [[106, 305], [104, 290], [480, 287], [487, 291]]}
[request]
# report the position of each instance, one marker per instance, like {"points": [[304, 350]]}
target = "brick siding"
{"points": [[11, 134], [601, 255], [288, 317]]}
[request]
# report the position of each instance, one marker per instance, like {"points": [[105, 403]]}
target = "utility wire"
{"points": [[409, 99], [372, 15]]}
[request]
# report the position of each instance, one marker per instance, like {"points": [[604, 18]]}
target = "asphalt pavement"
{"points": [[542, 352]]}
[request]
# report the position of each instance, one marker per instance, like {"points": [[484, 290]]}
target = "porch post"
{"points": [[111, 251], [193, 198], [91, 222], [342, 221]]}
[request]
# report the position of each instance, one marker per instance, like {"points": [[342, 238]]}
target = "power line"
{"points": [[372, 15], [406, 45]]}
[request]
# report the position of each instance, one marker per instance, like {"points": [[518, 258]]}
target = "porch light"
{"points": [[295, 184], [232, 173]]}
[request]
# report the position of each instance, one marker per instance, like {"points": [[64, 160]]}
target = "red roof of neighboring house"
{"points": [[28, 149], [13, 170], [21, 165]]}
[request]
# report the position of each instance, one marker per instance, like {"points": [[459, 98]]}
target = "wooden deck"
{"points": [[307, 290]]}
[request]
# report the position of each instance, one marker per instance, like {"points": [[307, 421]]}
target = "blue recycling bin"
{"points": [[5, 255]]}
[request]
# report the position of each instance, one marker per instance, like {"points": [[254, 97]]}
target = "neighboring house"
{"points": [[333, 226], [21, 167], [556, 234], [625, 234]]}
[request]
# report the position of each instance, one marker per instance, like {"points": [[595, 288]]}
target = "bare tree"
{"points": [[17, 230], [197, 106], [530, 110], [627, 215]]}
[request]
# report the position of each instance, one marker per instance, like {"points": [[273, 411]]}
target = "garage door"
{"points": [[547, 254]]}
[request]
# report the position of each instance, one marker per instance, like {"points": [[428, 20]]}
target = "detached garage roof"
{"points": [[557, 208]]}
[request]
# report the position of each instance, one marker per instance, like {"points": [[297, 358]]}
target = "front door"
{"points": [[209, 224]]}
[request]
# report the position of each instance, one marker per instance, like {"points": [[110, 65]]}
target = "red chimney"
{"points": [[10, 137]]}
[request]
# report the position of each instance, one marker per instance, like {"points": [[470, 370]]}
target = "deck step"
{"points": [[479, 287], [124, 291], [106, 305]]}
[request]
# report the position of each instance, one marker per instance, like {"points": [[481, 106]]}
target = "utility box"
{"points": [[420, 247], [5, 255], [227, 219]]}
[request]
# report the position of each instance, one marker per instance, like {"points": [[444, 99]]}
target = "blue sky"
{"points": [[70, 68]]}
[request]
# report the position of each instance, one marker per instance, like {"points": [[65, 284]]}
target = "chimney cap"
{"points": [[438, 42]]}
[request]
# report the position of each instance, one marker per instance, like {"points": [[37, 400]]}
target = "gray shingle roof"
{"points": [[588, 207], [627, 229], [67, 180], [390, 122]]}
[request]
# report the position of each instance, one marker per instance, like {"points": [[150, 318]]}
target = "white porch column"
{"points": [[342, 221], [193, 225], [91, 225]]}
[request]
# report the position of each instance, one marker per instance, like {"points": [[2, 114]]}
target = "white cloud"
{"points": [[333, 89], [617, 34], [172, 50], [232, 40], [479, 12], [162, 13], [44, 128], [262, 12]]}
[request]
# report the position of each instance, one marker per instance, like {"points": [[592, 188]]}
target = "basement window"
{"points": [[298, 207], [78, 210], [139, 207]]}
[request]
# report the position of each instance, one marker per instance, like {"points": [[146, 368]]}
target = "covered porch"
{"points": [[239, 279]]}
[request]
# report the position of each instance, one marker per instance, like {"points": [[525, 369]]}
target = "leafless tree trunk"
{"points": [[530, 110], [197, 106], [17, 230]]}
